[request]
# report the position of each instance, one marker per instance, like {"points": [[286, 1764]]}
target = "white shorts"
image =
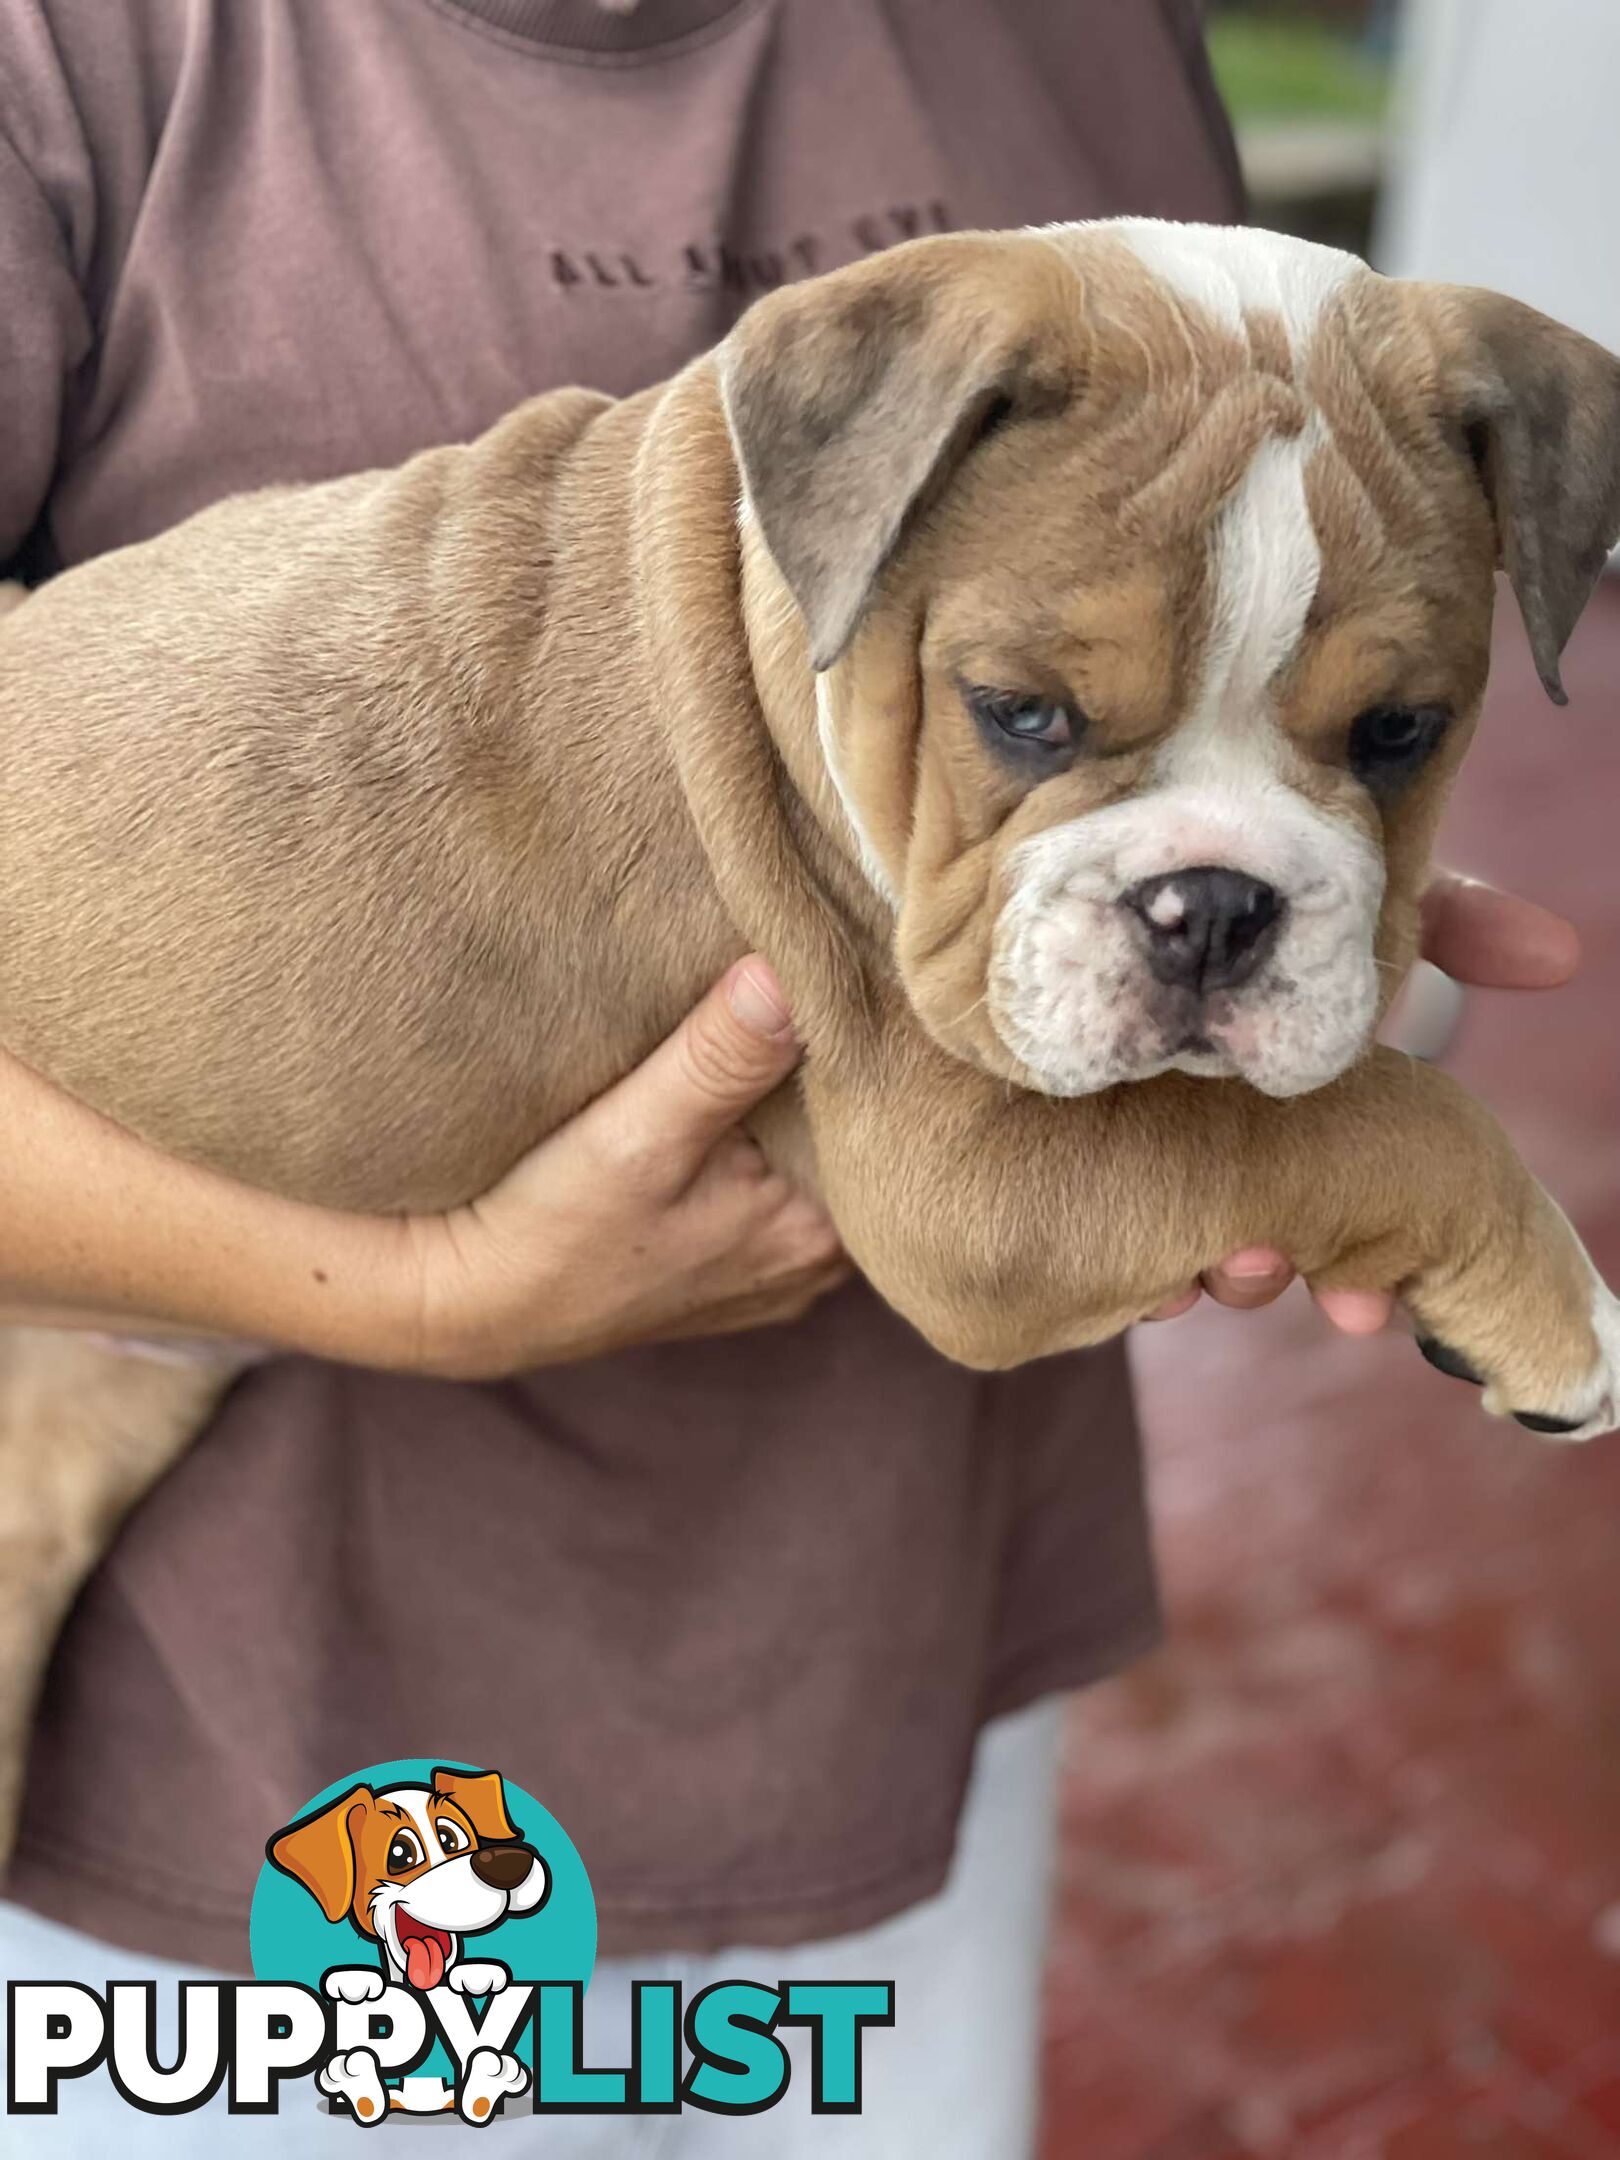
{"points": [[954, 2079]]}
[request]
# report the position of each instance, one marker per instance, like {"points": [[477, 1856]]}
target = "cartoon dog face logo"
{"points": [[417, 1867]]}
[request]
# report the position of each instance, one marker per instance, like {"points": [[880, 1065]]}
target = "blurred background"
{"points": [[1311, 89], [1341, 1866]]}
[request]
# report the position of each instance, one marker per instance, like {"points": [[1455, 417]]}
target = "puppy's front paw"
{"points": [[357, 2079], [490, 2078], [354, 1984], [1582, 1406], [469, 1978]]}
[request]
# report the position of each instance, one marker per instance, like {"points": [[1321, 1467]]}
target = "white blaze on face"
{"points": [[412, 1802], [1071, 993], [1268, 564], [1228, 272]]}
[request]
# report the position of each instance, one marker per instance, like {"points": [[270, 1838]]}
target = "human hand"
{"points": [[1477, 935], [647, 1217]]}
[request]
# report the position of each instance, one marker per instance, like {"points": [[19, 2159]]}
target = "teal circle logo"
{"points": [[421, 1872]]}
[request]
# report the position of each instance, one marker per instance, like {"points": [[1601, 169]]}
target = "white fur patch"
{"points": [[1230, 272], [1268, 564], [412, 1802]]}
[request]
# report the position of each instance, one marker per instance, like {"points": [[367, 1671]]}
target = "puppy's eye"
{"points": [[1389, 743], [1027, 717], [452, 1838], [404, 1853]]}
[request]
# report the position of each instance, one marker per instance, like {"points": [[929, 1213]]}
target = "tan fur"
{"points": [[354, 836], [85, 1430]]}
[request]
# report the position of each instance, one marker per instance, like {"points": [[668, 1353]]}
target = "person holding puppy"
{"points": [[769, 1603]]}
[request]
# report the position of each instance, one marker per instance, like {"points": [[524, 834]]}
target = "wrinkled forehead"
{"points": [[1238, 386], [1189, 319], [1242, 284]]}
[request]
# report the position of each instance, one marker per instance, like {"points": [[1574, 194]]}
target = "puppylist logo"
{"points": [[422, 1937]]}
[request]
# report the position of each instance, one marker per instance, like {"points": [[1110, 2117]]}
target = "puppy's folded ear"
{"points": [[1540, 405], [318, 1851], [481, 1797], [850, 398]]}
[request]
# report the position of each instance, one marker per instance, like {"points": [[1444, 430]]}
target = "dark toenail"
{"points": [[1547, 1424], [1451, 1362]]}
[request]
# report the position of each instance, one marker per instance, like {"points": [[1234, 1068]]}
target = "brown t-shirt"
{"points": [[734, 1609]]}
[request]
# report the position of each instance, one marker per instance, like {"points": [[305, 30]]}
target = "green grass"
{"points": [[1270, 68]]}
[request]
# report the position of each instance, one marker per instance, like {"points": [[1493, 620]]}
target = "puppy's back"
{"points": [[271, 783]]}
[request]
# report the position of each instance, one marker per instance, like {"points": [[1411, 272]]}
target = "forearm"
{"points": [[97, 1228], [1008, 1227]]}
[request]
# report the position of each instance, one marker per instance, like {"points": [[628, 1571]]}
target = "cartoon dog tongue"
{"points": [[424, 1961]]}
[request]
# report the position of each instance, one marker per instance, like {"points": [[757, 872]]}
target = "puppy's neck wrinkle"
{"points": [[770, 858], [799, 708]]}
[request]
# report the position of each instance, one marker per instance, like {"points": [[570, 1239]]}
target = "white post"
{"points": [[1508, 140]]}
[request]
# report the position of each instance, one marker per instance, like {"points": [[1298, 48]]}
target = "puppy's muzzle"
{"points": [[502, 1867], [1205, 929]]}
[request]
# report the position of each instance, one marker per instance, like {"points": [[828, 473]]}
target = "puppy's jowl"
{"points": [[1052, 649]]}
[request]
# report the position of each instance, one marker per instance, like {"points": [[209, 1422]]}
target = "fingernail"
{"points": [[1357, 1312], [755, 996], [1255, 1265]]}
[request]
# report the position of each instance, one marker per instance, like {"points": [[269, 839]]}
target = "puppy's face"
{"points": [[1190, 662], [1143, 725], [418, 1867]]}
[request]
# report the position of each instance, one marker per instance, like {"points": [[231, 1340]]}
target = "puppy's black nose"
{"points": [[502, 1867], [1207, 929]]}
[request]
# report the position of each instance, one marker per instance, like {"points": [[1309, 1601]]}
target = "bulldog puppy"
{"points": [[1051, 649]]}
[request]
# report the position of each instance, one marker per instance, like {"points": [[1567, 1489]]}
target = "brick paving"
{"points": [[1341, 1868]]}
